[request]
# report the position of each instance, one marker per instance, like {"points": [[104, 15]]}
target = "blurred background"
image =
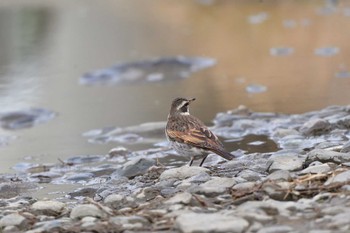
{"points": [[286, 56]]}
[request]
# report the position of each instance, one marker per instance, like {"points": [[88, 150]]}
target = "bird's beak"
{"points": [[191, 100]]}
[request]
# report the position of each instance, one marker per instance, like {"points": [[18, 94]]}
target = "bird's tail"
{"points": [[224, 154]]}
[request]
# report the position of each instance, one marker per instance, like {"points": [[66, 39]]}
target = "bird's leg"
{"points": [[203, 160], [192, 158]]}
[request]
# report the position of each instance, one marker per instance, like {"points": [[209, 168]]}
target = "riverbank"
{"points": [[301, 187]]}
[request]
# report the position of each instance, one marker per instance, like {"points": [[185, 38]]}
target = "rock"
{"points": [[117, 201], [210, 223], [316, 169], [277, 191], [340, 178], [180, 198], [280, 175], [281, 133], [85, 210], [10, 229], [326, 156], [315, 127], [286, 162], [148, 193], [13, 220], [276, 229], [48, 207], [118, 151], [130, 222], [216, 186], [250, 175], [346, 148], [243, 187], [137, 167], [181, 173]]}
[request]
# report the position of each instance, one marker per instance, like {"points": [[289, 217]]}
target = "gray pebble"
{"points": [[85, 210], [210, 223], [280, 175], [286, 162], [316, 169], [183, 172], [327, 156], [341, 177], [13, 220], [276, 229], [136, 167], [130, 222], [48, 207]]}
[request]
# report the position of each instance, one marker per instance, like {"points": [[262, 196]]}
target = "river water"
{"points": [[272, 56]]}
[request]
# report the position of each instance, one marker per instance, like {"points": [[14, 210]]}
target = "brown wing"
{"points": [[197, 134]]}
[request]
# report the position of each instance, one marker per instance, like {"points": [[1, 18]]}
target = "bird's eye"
{"points": [[184, 108]]}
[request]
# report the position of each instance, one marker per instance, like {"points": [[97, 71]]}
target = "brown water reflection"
{"points": [[46, 46]]}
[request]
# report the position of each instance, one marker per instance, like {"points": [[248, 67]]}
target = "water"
{"points": [[46, 47]]}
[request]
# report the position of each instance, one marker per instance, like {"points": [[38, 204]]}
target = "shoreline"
{"points": [[301, 187]]}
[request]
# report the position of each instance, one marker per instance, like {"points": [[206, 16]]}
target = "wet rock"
{"points": [[276, 229], [85, 210], [277, 191], [83, 192], [289, 162], [136, 167], [315, 127], [118, 151], [280, 175], [181, 173], [13, 220], [117, 201], [216, 186], [148, 193], [346, 148], [243, 187], [340, 178], [326, 156], [152, 70], [25, 118], [48, 207], [316, 169], [210, 222], [131, 222], [281, 133], [180, 198]]}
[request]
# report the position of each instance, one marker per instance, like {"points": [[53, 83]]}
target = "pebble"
{"points": [[13, 220], [117, 201], [181, 173], [340, 178], [276, 229], [210, 223], [130, 222], [180, 198], [286, 162], [216, 186], [48, 207], [316, 169], [137, 167], [325, 156], [280, 175], [315, 127], [86, 210]]}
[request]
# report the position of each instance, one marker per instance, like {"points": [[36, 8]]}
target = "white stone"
{"points": [[180, 198], [13, 220], [216, 186], [48, 207], [286, 162], [210, 223], [341, 177], [85, 210], [182, 172], [317, 169]]}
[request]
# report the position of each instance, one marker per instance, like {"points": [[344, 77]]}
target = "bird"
{"points": [[189, 136]]}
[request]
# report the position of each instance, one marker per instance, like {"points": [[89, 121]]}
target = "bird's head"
{"points": [[181, 106]]}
